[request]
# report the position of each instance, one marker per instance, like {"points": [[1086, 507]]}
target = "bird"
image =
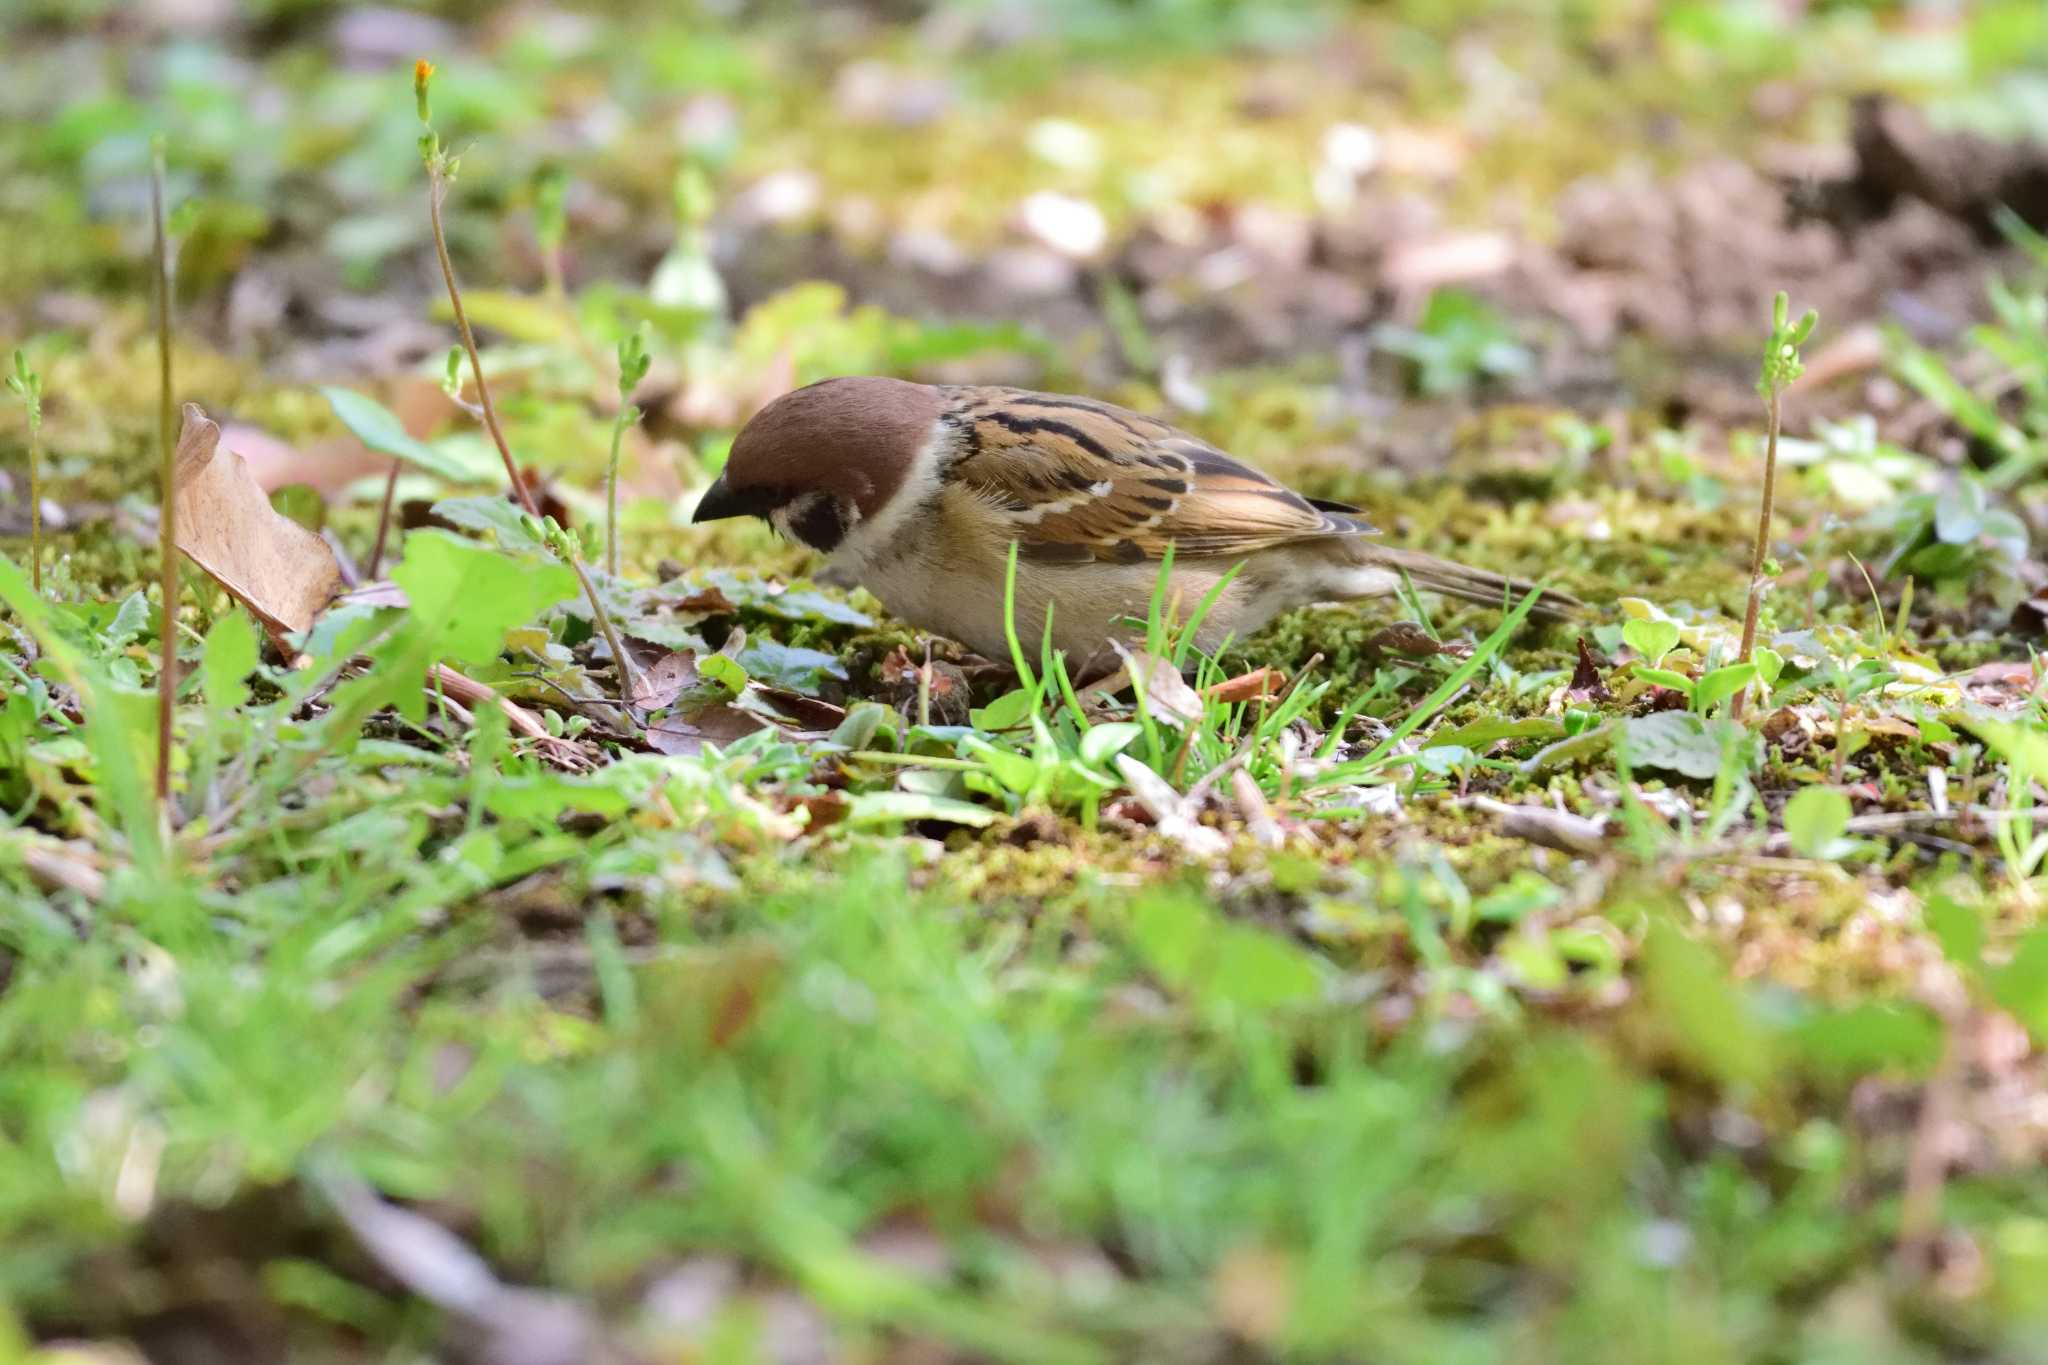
{"points": [[918, 491]]}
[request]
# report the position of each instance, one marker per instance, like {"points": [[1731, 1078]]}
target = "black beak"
{"points": [[720, 502]]}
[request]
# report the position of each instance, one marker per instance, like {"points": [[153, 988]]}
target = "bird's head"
{"points": [[820, 460]]}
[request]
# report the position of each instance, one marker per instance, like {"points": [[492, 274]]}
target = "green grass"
{"points": [[967, 1016]]}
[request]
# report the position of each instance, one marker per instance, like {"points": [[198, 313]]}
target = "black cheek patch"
{"points": [[821, 525]]}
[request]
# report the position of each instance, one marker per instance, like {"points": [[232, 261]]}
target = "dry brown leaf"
{"points": [[1167, 694], [658, 684], [1406, 637], [1260, 682], [1586, 683], [282, 572], [686, 735]]}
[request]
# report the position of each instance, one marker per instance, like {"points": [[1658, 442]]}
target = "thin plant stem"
{"points": [[383, 522], [35, 504], [1763, 537], [437, 186], [611, 495], [167, 517]]}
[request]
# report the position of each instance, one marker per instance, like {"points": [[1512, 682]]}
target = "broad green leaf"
{"points": [[1016, 772], [1004, 713], [1480, 733], [469, 595], [1664, 677], [229, 659], [1680, 741], [485, 512], [378, 427], [518, 316], [1721, 684], [1650, 638], [889, 808], [791, 666], [1815, 818], [1105, 741], [546, 796], [1850, 1043], [1958, 928], [1705, 1015], [1213, 961], [2021, 985], [727, 672]]}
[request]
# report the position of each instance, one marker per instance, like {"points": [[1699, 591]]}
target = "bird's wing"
{"points": [[1081, 481]]}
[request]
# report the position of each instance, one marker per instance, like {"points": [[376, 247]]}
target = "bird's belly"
{"points": [[1091, 605]]}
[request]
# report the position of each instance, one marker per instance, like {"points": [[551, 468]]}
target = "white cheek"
{"points": [[888, 531]]}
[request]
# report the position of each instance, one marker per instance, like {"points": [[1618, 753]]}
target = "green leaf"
{"points": [[791, 666], [1196, 952], [890, 808], [1958, 928], [120, 726], [723, 670], [1850, 1043], [229, 659], [547, 796], [377, 427], [1649, 638], [1721, 684], [487, 512], [1005, 712], [518, 316], [1680, 741], [2021, 985], [470, 595], [1105, 741], [1705, 1016], [1480, 733], [1016, 772], [1815, 818], [1664, 677]]}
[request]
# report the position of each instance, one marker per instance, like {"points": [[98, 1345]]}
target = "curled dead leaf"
{"points": [[1260, 682], [1405, 637], [282, 572], [1586, 683]]}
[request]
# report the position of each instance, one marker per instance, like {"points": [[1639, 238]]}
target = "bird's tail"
{"points": [[1462, 581]]}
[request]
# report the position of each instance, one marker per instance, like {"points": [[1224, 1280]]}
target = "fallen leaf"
{"points": [[685, 736], [1586, 683], [806, 713], [1561, 830], [710, 601], [278, 569], [1167, 694], [658, 684], [1260, 682], [1172, 814], [1405, 637]]}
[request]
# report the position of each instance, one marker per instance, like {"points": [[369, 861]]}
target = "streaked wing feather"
{"points": [[1086, 480]]}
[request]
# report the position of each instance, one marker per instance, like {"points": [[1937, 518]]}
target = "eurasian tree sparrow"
{"points": [[916, 492]]}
